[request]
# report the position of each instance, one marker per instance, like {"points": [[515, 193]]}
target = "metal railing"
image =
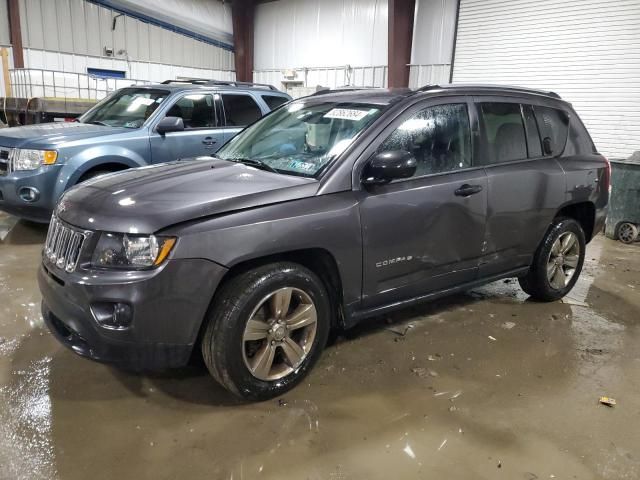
{"points": [[41, 83]]}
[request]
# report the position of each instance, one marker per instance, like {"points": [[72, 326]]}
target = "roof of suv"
{"points": [[197, 83], [382, 96]]}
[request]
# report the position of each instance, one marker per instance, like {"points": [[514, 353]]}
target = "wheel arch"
{"points": [[582, 212]]}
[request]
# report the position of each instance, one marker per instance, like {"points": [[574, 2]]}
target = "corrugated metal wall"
{"points": [[586, 50], [433, 32], [319, 38], [82, 28], [4, 24]]}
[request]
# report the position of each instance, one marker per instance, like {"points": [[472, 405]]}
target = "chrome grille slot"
{"points": [[5, 160], [63, 245]]}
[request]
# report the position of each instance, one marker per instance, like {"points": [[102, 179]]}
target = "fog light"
{"points": [[29, 194], [114, 316]]}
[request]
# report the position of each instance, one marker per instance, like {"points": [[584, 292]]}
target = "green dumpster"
{"points": [[623, 218]]}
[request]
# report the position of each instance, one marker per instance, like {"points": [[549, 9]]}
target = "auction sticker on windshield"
{"points": [[347, 114]]}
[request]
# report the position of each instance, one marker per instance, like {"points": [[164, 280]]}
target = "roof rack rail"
{"points": [[346, 88], [511, 88], [230, 83]]}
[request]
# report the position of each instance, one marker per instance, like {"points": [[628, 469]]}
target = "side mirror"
{"points": [[547, 146], [170, 124], [387, 166]]}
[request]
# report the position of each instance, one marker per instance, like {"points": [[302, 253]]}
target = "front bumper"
{"points": [[168, 305], [43, 179]]}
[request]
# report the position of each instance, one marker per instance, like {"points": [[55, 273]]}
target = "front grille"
{"points": [[5, 160], [63, 245]]}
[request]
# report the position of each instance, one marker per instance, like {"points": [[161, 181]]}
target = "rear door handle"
{"points": [[467, 190], [209, 141]]}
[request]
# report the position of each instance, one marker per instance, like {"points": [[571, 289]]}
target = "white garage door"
{"points": [[588, 51]]}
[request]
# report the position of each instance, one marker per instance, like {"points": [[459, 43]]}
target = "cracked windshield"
{"points": [[300, 140]]}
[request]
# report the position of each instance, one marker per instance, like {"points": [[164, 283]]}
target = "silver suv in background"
{"points": [[133, 127]]}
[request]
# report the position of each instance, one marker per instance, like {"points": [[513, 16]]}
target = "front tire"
{"points": [[266, 329], [557, 262]]}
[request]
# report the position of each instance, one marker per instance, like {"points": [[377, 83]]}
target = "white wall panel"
{"points": [[588, 51], [148, 71], [320, 33], [85, 28], [4, 23]]}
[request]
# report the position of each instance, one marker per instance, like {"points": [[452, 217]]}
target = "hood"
{"points": [[49, 135], [148, 199]]}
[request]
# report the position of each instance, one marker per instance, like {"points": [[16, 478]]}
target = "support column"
{"points": [[401, 13], [243, 13], [15, 33]]}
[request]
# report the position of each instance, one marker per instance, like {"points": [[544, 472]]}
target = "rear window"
{"points": [[274, 101], [553, 125]]}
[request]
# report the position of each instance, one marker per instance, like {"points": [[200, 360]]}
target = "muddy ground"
{"points": [[483, 385]]}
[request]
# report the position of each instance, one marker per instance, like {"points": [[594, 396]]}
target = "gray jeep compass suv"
{"points": [[135, 126], [331, 209]]}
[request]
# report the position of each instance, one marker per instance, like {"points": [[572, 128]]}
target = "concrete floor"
{"points": [[480, 385]]}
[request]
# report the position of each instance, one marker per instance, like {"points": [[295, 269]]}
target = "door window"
{"points": [[533, 136], [240, 110], [196, 111], [503, 132], [439, 138], [554, 125], [274, 101]]}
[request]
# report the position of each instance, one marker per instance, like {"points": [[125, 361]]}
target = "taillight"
{"points": [[608, 174]]}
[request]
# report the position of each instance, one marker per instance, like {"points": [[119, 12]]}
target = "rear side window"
{"points": [[553, 125], [240, 110], [533, 135], [274, 101], [579, 142], [504, 132]]}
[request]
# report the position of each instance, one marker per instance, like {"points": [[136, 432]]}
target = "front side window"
{"points": [[300, 139], [553, 125], [438, 137], [503, 132], [195, 109], [129, 107], [240, 110]]}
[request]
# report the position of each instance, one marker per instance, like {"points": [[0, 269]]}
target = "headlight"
{"points": [[32, 159], [116, 250]]}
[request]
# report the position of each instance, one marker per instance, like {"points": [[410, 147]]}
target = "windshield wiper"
{"points": [[96, 122], [252, 162]]}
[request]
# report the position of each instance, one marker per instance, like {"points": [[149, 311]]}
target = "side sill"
{"points": [[356, 316]]}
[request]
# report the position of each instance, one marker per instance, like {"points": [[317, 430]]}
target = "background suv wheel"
{"points": [[266, 329], [557, 262]]}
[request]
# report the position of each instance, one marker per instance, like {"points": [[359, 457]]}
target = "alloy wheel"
{"points": [[279, 334], [563, 260]]}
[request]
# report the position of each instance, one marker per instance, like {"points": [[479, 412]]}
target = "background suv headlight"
{"points": [[26, 159], [116, 250]]}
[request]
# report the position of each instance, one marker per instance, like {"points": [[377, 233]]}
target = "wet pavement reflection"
{"points": [[479, 385]]}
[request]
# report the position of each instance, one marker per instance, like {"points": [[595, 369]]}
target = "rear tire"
{"points": [[557, 262], [266, 329]]}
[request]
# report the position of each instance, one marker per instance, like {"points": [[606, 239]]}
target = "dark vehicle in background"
{"points": [[333, 209], [133, 127]]}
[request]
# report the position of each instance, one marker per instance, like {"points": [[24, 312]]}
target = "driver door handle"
{"points": [[209, 141], [467, 190]]}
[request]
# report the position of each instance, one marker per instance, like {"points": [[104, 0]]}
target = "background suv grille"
{"points": [[63, 245], [5, 160]]}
